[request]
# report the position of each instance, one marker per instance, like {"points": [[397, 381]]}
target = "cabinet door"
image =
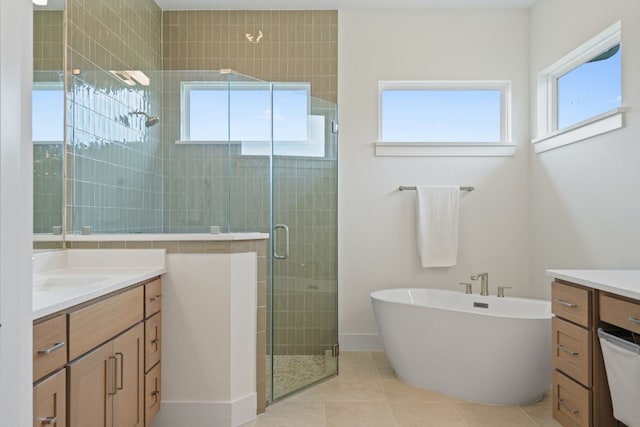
{"points": [[128, 405], [49, 401], [91, 388], [152, 338]]}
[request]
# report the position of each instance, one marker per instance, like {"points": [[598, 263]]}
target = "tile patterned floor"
{"points": [[368, 394]]}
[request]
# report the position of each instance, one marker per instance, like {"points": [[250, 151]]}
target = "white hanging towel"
{"points": [[437, 214]]}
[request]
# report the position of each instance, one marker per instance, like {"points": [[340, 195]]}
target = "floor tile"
{"points": [[426, 414], [354, 391], [368, 394], [476, 415], [397, 391], [359, 414]]}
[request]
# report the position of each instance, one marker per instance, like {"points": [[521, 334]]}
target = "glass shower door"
{"points": [[304, 240]]}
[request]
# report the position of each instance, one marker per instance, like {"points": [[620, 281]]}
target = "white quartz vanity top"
{"points": [[66, 278], [164, 237], [620, 282]]}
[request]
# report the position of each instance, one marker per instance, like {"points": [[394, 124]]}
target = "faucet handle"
{"points": [[467, 289], [501, 290]]}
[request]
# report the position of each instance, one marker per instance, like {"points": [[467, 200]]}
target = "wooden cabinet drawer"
{"points": [[571, 303], [49, 401], [152, 394], [620, 312], [152, 297], [152, 339], [49, 346], [570, 402], [97, 323], [571, 350]]}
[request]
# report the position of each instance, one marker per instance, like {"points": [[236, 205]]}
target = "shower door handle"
{"points": [[286, 241]]}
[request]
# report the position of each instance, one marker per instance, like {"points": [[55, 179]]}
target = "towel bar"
{"points": [[404, 188]]}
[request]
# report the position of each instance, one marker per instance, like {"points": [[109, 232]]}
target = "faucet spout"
{"points": [[484, 282]]}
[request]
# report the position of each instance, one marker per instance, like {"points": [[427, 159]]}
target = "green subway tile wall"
{"points": [[48, 53], [114, 162]]}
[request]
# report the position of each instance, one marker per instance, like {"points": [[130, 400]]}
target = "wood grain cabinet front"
{"points": [[571, 402], [152, 394], [580, 389], [571, 350], [620, 312], [96, 323], [106, 385], [49, 346], [49, 401], [153, 348], [102, 349]]}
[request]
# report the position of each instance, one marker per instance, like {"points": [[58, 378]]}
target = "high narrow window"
{"points": [[460, 112], [48, 112], [580, 95], [590, 89]]}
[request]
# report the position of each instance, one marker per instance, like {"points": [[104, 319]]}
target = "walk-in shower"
{"points": [[231, 151]]}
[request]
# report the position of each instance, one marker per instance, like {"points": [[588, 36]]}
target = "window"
{"points": [[580, 95], [431, 113], [248, 113], [590, 89], [47, 113]]}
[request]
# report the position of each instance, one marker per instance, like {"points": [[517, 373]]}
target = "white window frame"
{"points": [[186, 86], [548, 134], [504, 147]]}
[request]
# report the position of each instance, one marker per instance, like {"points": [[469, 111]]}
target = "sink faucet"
{"points": [[484, 282]]}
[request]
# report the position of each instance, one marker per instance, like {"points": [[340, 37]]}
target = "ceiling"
{"points": [[334, 4]]}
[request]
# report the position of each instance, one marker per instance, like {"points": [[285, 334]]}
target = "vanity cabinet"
{"points": [[152, 353], [580, 393], [49, 401], [95, 362], [105, 386]]}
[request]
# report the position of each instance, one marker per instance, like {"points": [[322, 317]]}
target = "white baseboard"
{"points": [[205, 414], [360, 342]]}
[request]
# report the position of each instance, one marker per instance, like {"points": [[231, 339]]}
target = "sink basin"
{"points": [[52, 283]]}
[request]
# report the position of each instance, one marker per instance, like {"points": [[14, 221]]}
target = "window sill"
{"points": [[598, 125], [408, 149], [203, 142]]}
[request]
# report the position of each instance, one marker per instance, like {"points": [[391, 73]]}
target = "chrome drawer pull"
{"points": [[155, 341], [155, 393], [634, 320], [566, 350], [155, 298], [50, 420], [566, 304], [567, 407], [121, 370], [53, 348], [114, 374]]}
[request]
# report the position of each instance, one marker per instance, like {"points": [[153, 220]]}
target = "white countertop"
{"points": [[66, 278], [620, 282], [107, 237]]}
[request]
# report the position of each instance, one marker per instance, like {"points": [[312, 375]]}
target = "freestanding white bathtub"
{"points": [[450, 343]]}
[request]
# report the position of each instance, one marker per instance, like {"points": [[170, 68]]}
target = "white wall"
{"points": [[377, 222], [15, 213], [586, 212], [209, 335]]}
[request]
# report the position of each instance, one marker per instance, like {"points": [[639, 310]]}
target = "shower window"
{"points": [[48, 113], [241, 112], [432, 111]]}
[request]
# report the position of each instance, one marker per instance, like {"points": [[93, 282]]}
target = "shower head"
{"points": [[151, 120]]}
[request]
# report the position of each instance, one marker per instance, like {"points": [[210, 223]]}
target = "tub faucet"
{"points": [[484, 282]]}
